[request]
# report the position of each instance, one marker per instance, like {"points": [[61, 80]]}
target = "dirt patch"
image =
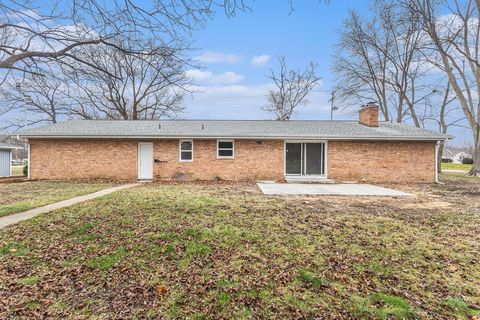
{"points": [[428, 205]]}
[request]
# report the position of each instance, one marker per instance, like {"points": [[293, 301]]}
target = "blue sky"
{"points": [[307, 34], [232, 87], [235, 54]]}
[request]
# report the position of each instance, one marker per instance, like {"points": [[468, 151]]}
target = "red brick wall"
{"points": [[381, 161], [117, 159], [252, 160], [83, 159]]}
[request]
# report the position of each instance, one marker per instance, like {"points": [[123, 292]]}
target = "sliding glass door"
{"points": [[305, 158], [293, 158]]}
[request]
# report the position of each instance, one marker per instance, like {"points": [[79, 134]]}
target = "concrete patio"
{"points": [[350, 189]]}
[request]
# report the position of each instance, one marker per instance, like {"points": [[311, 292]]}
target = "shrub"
{"points": [[25, 171], [467, 161]]}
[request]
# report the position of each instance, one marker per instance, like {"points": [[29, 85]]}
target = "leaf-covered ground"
{"points": [[225, 251], [18, 197]]}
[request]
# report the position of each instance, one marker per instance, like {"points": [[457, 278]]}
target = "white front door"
{"points": [[145, 160]]}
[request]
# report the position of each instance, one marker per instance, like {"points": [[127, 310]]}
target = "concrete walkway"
{"points": [[17, 217], [353, 189]]}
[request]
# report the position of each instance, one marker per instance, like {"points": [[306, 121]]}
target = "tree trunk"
{"points": [[475, 171], [443, 129], [440, 156]]}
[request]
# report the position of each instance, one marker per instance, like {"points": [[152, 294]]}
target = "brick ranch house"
{"points": [[367, 150]]}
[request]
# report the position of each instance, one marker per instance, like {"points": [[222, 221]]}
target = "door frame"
{"points": [[138, 159], [325, 142]]}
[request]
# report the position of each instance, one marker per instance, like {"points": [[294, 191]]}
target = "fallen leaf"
{"points": [[162, 291]]}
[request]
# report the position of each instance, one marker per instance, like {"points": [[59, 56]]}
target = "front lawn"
{"points": [[17, 170], [226, 251], [456, 166], [20, 196]]}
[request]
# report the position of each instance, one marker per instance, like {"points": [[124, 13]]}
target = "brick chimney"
{"points": [[368, 115]]}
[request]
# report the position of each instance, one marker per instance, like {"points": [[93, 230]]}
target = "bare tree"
{"points": [[135, 87], [382, 60], [38, 99], [36, 33], [292, 88], [361, 64], [455, 38], [443, 113]]}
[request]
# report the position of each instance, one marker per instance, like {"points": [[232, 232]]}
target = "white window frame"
{"points": [[325, 142], [233, 149], [180, 150]]}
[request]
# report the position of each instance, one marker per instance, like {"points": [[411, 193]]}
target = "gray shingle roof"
{"points": [[294, 129]]}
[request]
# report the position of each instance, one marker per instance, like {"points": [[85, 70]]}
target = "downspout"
{"points": [[28, 160], [436, 161], [11, 158]]}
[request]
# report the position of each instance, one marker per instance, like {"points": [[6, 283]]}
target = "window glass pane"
{"points": [[225, 153], [293, 158], [186, 155], [186, 145], [314, 158], [225, 145]]}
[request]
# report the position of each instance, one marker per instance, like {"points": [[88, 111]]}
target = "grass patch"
{"points": [[22, 196], [461, 309], [382, 306], [83, 229], [107, 261], [17, 249], [17, 170], [298, 304], [197, 249], [224, 298], [311, 279], [456, 166], [29, 281]]}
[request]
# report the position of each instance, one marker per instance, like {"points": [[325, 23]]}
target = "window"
{"points": [[186, 150], [225, 149]]}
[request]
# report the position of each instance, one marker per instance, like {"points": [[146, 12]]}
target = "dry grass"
{"points": [[18, 197], [225, 251]]}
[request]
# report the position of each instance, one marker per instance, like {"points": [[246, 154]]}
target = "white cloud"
{"points": [[260, 61], [245, 101], [228, 77], [208, 77], [199, 75], [235, 91], [217, 57]]}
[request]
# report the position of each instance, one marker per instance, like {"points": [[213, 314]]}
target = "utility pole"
{"points": [[332, 106]]}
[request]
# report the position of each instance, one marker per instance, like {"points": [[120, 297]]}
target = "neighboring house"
{"points": [[455, 154], [367, 150], [7, 146]]}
